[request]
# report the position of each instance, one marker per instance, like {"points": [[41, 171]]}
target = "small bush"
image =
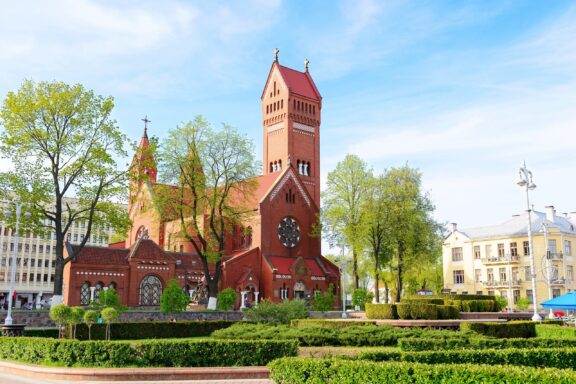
{"points": [[555, 331], [381, 311], [145, 353], [511, 329], [360, 297], [283, 312], [325, 301], [523, 303], [404, 312], [337, 371], [173, 299], [423, 311], [226, 300], [415, 344]]}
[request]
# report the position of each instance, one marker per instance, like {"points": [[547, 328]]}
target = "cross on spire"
{"points": [[146, 121]]}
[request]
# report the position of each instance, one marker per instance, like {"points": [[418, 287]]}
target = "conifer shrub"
{"points": [[381, 311]]}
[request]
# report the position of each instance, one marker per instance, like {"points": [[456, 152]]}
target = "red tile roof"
{"points": [[283, 265], [100, 255], [300, 83]]}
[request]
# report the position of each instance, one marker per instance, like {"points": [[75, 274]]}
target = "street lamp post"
{"points": [[18, 205], [527, 183]]}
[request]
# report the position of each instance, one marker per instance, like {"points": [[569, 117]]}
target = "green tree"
{"points": [[360, 297], [173, 299], [63, 143], [523, 303], [109, 315], [60, 314], [90, 318], [212, 170], [413, 236], [347, 188], [325, 301], [226, 300], [76, 317]]}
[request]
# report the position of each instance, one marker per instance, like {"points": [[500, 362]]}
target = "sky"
{"points": [[465, 91]]}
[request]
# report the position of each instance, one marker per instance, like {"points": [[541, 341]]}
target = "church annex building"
{"points": [[273, 256]]}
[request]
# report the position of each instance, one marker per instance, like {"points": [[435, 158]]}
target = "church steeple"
{"points": [[143, 162], [291, 106]]}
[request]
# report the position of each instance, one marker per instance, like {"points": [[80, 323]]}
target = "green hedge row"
{"points": [[511, 329], [414, 344], [366, 335], [41, 332], [563, 358], [152, 330], [145, 353], [555, 331], [474, 305], [451, 297], [424, 299], [412, 310], [338, 371], [301, 323]]}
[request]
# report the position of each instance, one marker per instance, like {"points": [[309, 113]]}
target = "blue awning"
{"points": [[566, 301]]}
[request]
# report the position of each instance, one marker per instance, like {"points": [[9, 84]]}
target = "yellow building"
{"points": [[495, 260]]}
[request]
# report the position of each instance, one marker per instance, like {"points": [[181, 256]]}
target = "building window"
{"points": [[284, 292], [488, 249], [516, 296], [515, 275], [568, 247], [477, 254], [85, 293], [502, 272], [555, 292], [501, 252], [99, 286], [570, 273], [150, 290], [552, 250], [526, 246], [477, 275], [513, 249], [490, 274], [458, 277], [457, 254], [529, 296]]}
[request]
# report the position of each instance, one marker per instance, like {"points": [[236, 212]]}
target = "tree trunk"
{"points": [[399, 290], [386, 292], [212, 293], [355, 269], [376, 286], [59, 269]]}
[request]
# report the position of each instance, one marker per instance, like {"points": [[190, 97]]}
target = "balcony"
{"points": [[558, 282], [555, 256], [502, 283], [504, 259]]}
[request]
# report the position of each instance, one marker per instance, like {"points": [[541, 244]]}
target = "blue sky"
{"points": [[464, 91]]}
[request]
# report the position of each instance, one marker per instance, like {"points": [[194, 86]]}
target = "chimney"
{"points": [[454, 227], [550, 213]]}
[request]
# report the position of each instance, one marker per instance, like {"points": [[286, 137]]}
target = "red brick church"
{"points": [[273, 256]]}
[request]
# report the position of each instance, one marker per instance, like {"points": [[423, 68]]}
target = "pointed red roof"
{"points": [[300, 83]]}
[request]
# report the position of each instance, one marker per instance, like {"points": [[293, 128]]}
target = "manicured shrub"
{"points": [[226, 300], [360, 297], [61, 315], [153, 330], [173, 299], [329, 323], [552, 322], [145, 353], [511, 329], [404, 312], [415, 344], [423, 311], [564, 358], [381, 311], [555, 331], [447, 312], [42, 332], [338, 371], [325, 301], [466, 297], [90, 318], [423, 299], [283, 312]]}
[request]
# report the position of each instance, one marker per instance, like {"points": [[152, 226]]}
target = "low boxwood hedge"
{"points": [[511, 329], [381, 311], [433, 344], [563, 358], [330, 323], [423, 299], [42, 332], [152, 330], [448, 312], [339, 371], [555, 331], [474, 305], [412, 310], [145, 353]]}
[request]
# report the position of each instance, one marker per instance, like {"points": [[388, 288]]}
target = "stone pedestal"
{"points": [[14, 330]]}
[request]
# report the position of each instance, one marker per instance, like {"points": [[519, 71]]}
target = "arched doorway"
{"points": [[299, 290], [150, 290]]}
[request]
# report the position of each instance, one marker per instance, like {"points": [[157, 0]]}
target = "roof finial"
{"points": [[146, 121], [276, 51], [306, 62]]}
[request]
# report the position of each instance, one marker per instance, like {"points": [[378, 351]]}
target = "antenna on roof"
{"points": [[276, 51]]}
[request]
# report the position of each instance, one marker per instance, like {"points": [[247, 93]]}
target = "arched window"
{"points": [[99, 285], [248, 237], [85, 293], [150, 290], [282, 103], [112, 285]]}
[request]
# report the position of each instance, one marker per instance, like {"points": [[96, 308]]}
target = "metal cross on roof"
{"points": [[146, 121]]}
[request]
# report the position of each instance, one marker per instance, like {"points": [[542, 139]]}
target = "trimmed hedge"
{"points": [[328, 323], [555, 331], [511, 329], [151, 330], [145, 353], [447, 312], [414, 344], [367, 335], [564, 358], [42, 332], [381, 311], [424, 299], [404, 312], [339, 371], [474, 305]]}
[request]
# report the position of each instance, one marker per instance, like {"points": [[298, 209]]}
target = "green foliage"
{"points": [[152, 330], [522, 304], [90, 318], [60, 315], [381, 311], [424, 299], [360, 297], [325, 301], [108, 298], [338, 371], [502, 302], [109, 315], [564, 358], [555, 331], [226, 299], [76, 317], [447, 312], [511, 329], [404, 312], [42, 332], [320, 335], [475, 305], [283, 312], [329, 323], [173, 299], [63, 142], [415, 344], [145, 353]]}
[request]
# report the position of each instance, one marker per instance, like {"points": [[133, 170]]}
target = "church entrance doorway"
{"points": [[299, 290]]}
